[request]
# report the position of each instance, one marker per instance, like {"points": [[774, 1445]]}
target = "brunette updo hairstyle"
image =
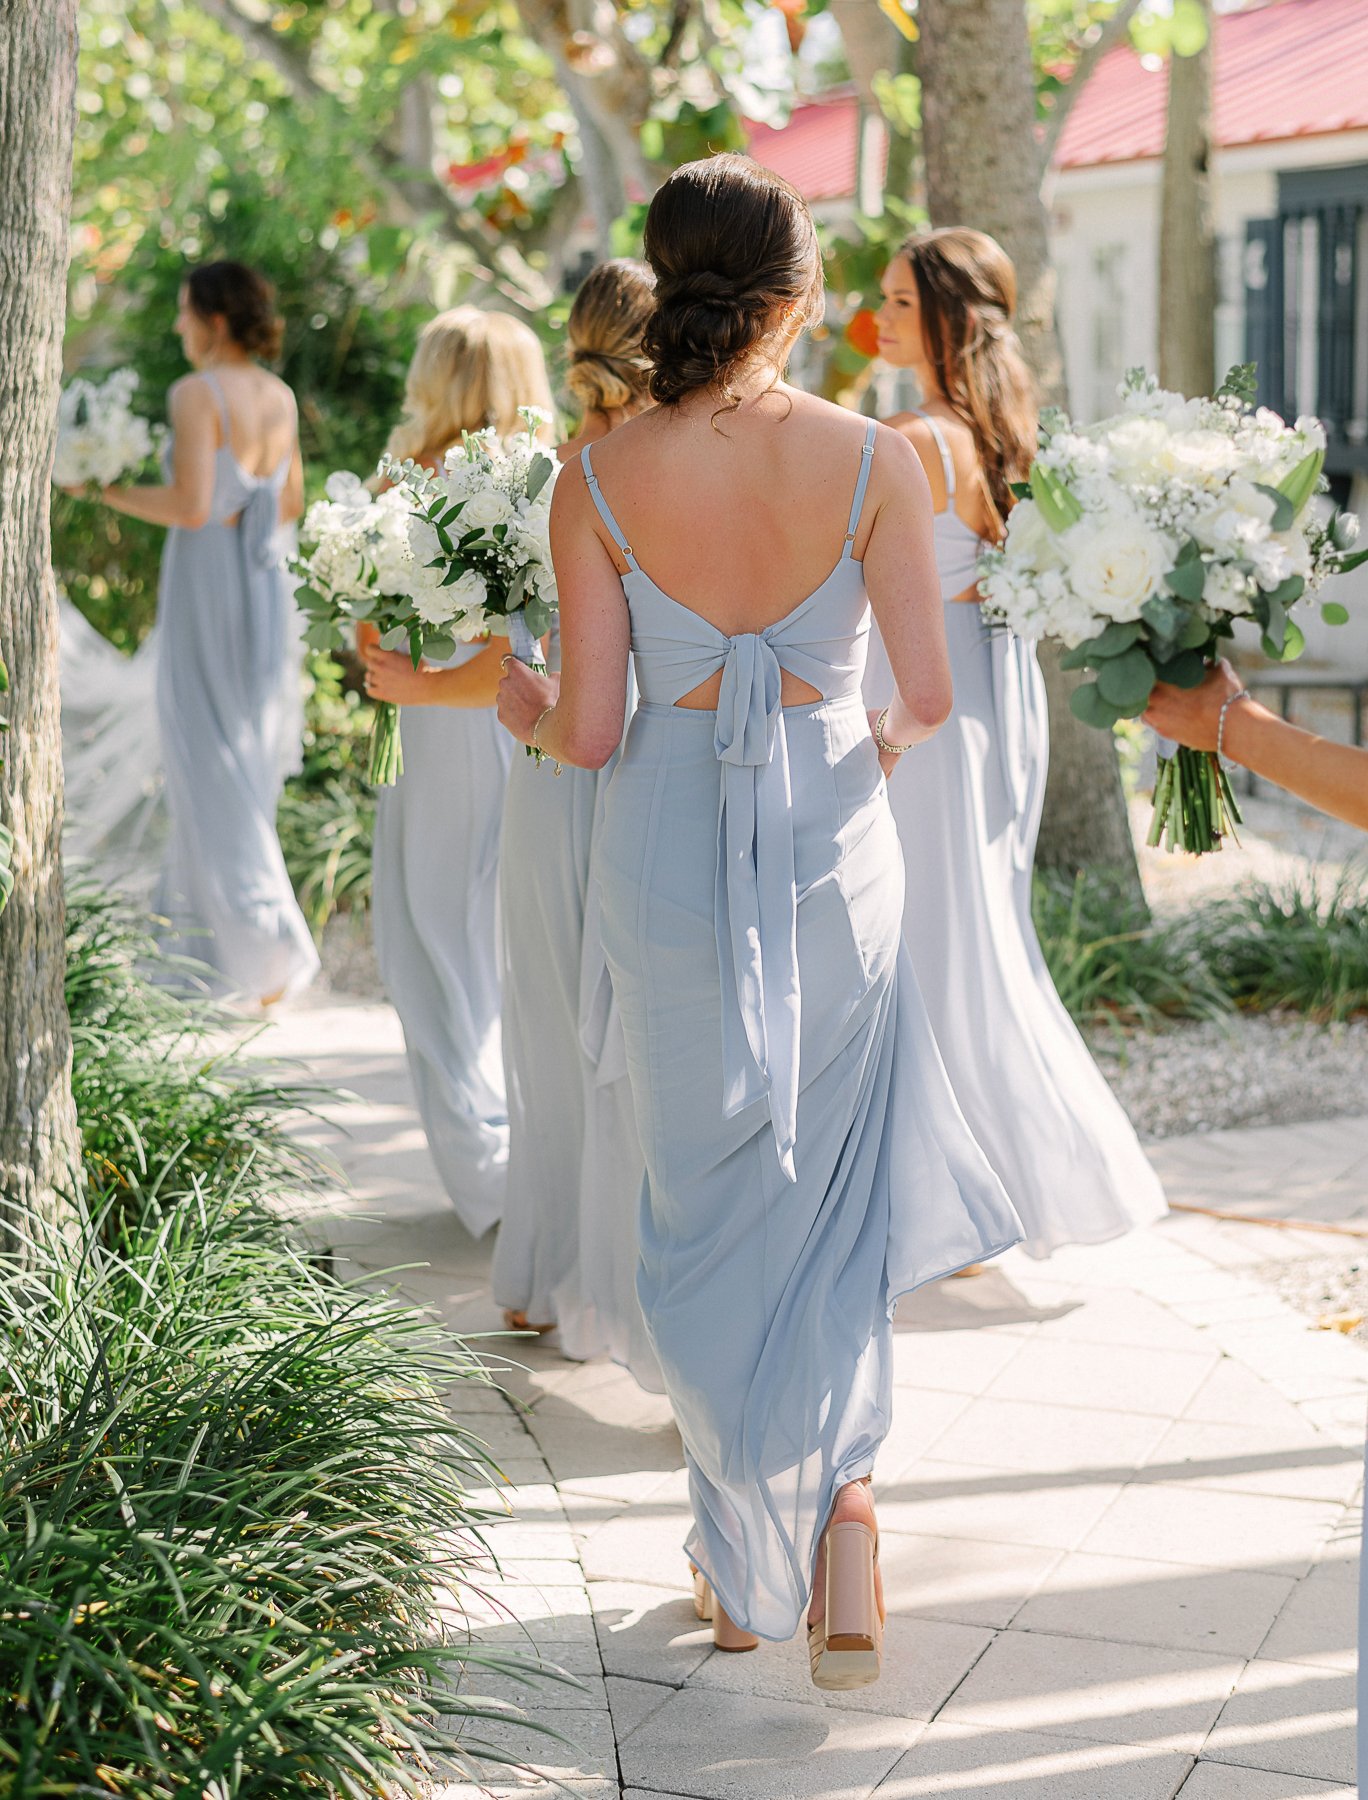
{"points": [[609, 369], [244, 299], [732, 246], [967, 291]]}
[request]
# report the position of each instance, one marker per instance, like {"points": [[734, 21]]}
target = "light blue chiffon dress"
{"points": [[967, 805], [806, 1161], [434, 910], [227, 693], [566, 1250]]}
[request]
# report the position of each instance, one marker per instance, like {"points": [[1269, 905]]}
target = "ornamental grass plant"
{"points": [[236, 1537]]}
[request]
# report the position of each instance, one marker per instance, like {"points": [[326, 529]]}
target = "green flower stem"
{"points": [[386, 748], [1194, 807]]}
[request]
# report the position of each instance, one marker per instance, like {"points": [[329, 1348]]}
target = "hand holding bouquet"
{"points": [[100, 439], [479, 540], [1139, 541]]}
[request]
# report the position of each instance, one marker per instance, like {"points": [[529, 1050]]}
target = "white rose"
{"points": [[1029, 538], [1115, 564], [485, 510], [345, 489]]}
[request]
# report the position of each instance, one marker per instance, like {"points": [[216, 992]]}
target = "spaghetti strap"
{"points": [[947, 461], [857, 504], [605, 511], [221, 399]]}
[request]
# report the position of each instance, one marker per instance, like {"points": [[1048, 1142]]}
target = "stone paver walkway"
{"points": [[1118, 1505]]}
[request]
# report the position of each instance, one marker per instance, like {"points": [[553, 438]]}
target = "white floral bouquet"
{"points": [[359, 567], [100, 439], [1140, 540], [479, 540]]}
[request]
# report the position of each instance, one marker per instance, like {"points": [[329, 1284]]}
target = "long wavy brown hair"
{"points": [[967, 290]]}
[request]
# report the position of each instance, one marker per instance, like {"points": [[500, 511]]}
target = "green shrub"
{"points": [[326, 817], [1112, 962], [165, 1097], [236, 1538], [1302, 945]]}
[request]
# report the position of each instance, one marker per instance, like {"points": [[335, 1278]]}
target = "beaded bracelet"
{"points": [[1226, 704], [883, 743], [541, 716]]}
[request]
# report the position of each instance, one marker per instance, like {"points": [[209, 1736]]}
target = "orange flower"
{"points": [[862, 333]]}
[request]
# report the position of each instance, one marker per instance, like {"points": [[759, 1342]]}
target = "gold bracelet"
{"points": [[541, 716], [883, 743]]}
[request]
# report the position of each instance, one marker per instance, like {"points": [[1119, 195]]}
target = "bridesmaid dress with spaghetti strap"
{"points": [[806, 1161], [967, 805], [227, 707], [434, 913]]}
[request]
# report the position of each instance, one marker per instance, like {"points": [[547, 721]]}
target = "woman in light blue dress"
{"points": [[968, 804], [806, 1162], [436, 858], [565, 1259], [227, 678]]}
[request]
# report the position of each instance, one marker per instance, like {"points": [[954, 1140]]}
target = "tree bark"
{"points": [[1187, 240], [983, 168], [39, 1144]]}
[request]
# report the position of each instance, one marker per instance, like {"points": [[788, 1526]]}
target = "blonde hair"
{"points": [[608, 367], [967, 290], [470, 369]]}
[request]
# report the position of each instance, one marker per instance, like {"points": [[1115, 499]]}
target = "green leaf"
{"points": [[1113, 639], [1241, 383], [1188, 28], [1195, 635], [1275, 632], [1126, 681], [1333, 613], [538, 475], [1287, 591], [1057, 505], [438, 645], [1186, 670], [538, 616], [1294, 643], [1350, 559], [1086, 703], [396, 638], [1298, 487], [1284, 512], [4, 677], [323, 635], [1080, 657], [1020, 490], [1186, 579]]}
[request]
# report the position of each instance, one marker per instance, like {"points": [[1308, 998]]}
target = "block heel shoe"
{"points": [[726, 1635], [845, 1646]]}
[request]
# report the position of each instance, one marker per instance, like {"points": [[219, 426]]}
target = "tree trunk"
{"points": [[39, 1145], [1187, 242], [983, 169]]}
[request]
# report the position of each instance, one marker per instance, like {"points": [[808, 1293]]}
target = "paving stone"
{"points": [[1113, 1597], [1222, 1781], [647, 1632], [644, 1544], [924, 1662], [1018, 1434], [1168, 1523], [737, 1747], [1121, 1318], [1004, 1506], [1290, 1718], [1319, 1623], [1109, 1692], [969, 1583], [1128, 1377], [583, 1745], [920, 1419], [960, 1362], [1291, 1461], [633, 1702], [1235, 1395], [579, 1447], [972, 1763]]}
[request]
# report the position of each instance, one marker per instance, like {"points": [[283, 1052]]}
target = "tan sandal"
{"points": [[845, 1646], [518, 1321], [726, 1634]]}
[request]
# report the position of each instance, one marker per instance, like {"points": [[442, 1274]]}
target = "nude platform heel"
{"points": [[726, 1635], [845, 1647]]}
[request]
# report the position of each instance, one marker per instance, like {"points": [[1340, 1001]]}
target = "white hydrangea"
{"points": [[100, 438]]}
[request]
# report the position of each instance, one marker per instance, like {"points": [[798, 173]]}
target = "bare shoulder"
{"points": [[191, 394], [899, 456]]}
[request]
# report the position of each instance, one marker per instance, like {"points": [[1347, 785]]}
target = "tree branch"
{"points": [[498, 264], [1107, 38]]}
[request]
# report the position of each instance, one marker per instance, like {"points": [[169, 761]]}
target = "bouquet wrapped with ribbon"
{"points": [[479, 540], [1140, 540]]}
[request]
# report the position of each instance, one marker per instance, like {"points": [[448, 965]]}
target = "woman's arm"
{"points": [[390, 675], [187, 498], [292, 494], [1332, 776], [904, 591], [584, 723]]}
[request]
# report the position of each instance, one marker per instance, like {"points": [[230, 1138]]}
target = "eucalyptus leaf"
{"points": [[1186, 670], [1163, 615], [396, 638], [538, 475], [1195, 635], [1241, 383], [1333, 613], [538, 616], [1126, 681], [1294, 643], [1298, 486], [1086, 703], [1275, 632], [1113, 639], [438, 645], [1284, 512], [1080, 657], [1287, 591], [1187, 580]]}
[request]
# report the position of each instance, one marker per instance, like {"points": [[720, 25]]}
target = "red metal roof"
{"points": [[817, 150], [1285, 69]]}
